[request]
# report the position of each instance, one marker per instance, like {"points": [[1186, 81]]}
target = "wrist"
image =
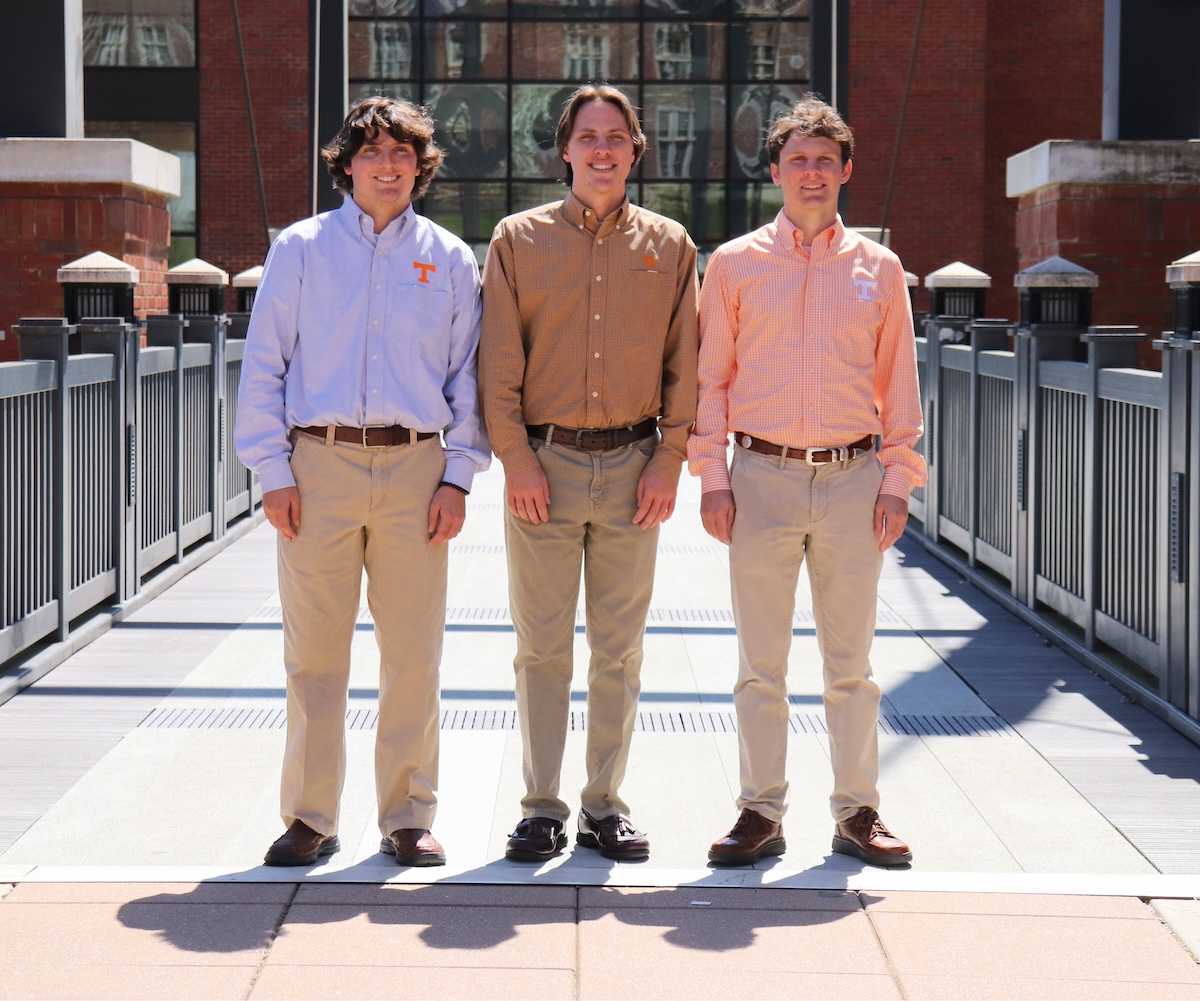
{"points": [[454, 486]]}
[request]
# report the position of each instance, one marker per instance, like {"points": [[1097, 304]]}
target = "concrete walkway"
{"points": [[1055, 826]]}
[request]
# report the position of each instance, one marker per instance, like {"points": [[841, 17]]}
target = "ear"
{"points": [[775, 174], [847, 170]]}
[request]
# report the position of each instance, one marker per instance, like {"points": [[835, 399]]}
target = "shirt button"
{"points": [[581, 225], [376, 322], [596, 355], [599, 241], [598, 277], [378, 286], [596, 317], [374, 357], [595, 394], [374, 391]]}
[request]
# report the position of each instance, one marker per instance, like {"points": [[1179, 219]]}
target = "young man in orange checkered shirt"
{"points": [[806, 356]]}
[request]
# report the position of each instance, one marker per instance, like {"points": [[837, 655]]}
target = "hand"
{"points": [[447, 512], [282, 508], [529, 495], [717, 511], [891, 515], [656, 500]]}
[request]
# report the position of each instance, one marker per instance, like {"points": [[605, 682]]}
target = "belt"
{"points": [[594, 439], [812, 456], [371, 437]]}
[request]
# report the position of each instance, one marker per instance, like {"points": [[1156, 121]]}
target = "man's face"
{"points": [[384, 173], [600, 152], [811, 173]]}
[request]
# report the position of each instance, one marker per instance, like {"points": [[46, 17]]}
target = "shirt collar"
{"points": [[579, 215], [359, 222], [789, 238]]}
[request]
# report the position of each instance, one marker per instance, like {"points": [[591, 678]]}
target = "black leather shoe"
{"points": [[753, 837], [301, 845], [535, 840], [613, 837], [413, 846]]}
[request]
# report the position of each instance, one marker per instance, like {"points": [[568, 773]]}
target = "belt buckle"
{"points": [[372, 427], [599, 436], [840, 454]]}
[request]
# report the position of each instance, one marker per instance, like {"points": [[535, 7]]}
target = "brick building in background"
{"points": [[991, 80]]}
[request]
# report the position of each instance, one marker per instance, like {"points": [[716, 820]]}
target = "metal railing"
{"points": [[114, 463], [1062, 474]]}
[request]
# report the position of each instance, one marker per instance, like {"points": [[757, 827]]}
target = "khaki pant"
{"points": [[362, 509], [593, 498], [788, 513]]}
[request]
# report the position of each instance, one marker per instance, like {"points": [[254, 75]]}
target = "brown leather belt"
{"points": [[812, 456], [372, 437], [594, 439]]}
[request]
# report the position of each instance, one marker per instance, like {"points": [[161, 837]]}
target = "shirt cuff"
{"points": [[275, 474], [519, 460], [897, 482], [714, 475], [460, 472], [663, 463]]}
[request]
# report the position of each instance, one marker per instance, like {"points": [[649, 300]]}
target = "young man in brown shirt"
{"points": [[588, 382]]}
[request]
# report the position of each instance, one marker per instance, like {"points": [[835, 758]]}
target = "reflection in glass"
{"points": [[687, 8], [535, 114], [700, 207], [472, 127], [468, 210], [771, 8], [770, 50], [675, 51], [685, 131], [380, 49], [443, 8], [754, 108], [466, 50], [367, 8], [530, 196], [360, 89], [574, 51], [139, 33], [753, 205], [589, 9]]}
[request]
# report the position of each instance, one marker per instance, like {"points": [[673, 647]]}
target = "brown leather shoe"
{"points": [[301, 845], [535, 840], [613, 837], [413, 846], [865, 837], [753, 837]]}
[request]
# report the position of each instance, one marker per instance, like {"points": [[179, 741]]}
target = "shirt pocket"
{"points": [[421, 317]]}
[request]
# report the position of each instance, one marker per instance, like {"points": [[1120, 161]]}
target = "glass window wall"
{"points": [[139, 33], [706, 75]]}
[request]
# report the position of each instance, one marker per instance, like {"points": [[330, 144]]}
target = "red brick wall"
{"points": [[276, 40], [993, 78], [44, 226], [1126, 233]]}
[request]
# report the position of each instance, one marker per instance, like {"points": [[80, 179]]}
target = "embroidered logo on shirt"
{"points": [[867, 289], [651, 263], [425, 269]]}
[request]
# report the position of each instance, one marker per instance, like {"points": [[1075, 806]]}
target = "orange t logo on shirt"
{"points": [[651, 263], [424, 269]]}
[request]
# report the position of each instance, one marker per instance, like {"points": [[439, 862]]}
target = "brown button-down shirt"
{"points": [[589, 325]]}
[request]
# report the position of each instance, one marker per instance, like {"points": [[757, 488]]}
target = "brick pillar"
{"points": [[63, 198], [1116, 208]]}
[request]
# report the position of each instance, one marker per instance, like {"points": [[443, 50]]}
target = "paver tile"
{"points": [[136, 934], [1035, 948], [1015, 989], [1005, 903], [376, 935], [437, 895], [124, 983], [385, 983], [694, 898], [157, 893], [618, 945], [720, 985]]}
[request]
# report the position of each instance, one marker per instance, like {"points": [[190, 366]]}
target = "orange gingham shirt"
{"points": [[807, 349], [588, 326]]}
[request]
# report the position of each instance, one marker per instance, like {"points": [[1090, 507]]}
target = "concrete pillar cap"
{"points": [[196, 272], [99, 268], [248, 278], [1056, 272], [911, 280], [1185, 271], [958, 275]]}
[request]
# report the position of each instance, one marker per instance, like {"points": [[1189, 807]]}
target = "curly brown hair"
{"points": [[403, 121], [598, 92], [811, 117]]}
